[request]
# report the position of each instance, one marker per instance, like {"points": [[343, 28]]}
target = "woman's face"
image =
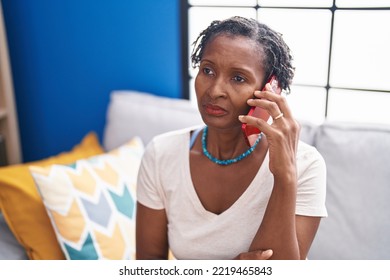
{"points": [[229, 73]]}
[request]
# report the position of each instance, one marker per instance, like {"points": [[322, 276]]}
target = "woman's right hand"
{"points": [[255, 255]]}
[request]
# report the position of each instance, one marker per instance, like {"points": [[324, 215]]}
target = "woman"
{"points": [[201, 192]]}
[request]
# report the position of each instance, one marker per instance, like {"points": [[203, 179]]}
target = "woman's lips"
{"points": [[214, 110]]}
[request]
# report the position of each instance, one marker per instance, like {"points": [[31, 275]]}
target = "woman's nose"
{"points": [[218, 89]]}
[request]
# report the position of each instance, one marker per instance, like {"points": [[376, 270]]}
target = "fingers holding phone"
{"points": [[258, 112], [282, 134]]}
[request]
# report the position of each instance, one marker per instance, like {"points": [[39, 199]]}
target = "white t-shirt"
{"points": [[164, 182]]}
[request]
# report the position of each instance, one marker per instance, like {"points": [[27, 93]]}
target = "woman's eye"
{"points": [[208, 71], [239, 79]]}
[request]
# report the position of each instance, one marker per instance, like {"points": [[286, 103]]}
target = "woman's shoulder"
{"points": [[310, 161], [305, 149], [308, 154]]}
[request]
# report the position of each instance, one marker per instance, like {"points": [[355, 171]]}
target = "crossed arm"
{"points": [[152, 240]]}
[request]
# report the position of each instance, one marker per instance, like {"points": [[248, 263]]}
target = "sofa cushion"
{"points": [[91, 203], [22, 206], [10, 248], [132, 113], [358, 192]]}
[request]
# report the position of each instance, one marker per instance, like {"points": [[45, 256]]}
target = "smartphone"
{"points": [[258, 113]]}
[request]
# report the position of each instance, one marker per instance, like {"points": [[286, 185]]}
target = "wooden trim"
{"points": [[8, 121]]}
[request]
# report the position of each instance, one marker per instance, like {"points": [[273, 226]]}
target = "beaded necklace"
{"points": [[226, 161]]}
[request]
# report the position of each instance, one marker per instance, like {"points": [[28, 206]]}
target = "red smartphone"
{"points": [[258, 113]]}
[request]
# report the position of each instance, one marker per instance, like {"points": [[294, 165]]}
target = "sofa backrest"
{"points": [[132, 113], [358, 192]]}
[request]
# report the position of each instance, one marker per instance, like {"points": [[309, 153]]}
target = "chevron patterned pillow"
{"points": [[91, 203]]}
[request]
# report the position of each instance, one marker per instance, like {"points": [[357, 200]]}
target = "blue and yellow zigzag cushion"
{"points": [[91, 203]]}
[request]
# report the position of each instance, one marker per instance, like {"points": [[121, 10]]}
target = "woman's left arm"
{"points": [[288, 235]]}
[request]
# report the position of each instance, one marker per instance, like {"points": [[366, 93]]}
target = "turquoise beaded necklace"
{"points": [[226, 161]]}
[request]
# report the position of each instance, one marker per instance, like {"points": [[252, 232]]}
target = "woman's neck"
{"points": [[225, 144]]}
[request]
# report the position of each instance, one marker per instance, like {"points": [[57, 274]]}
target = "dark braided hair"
{"points": [[277, 57]]}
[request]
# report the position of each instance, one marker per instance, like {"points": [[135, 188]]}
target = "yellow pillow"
{"points": [[22, 205]]}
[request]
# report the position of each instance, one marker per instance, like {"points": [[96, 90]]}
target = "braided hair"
{"points": [[276, 59]]}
